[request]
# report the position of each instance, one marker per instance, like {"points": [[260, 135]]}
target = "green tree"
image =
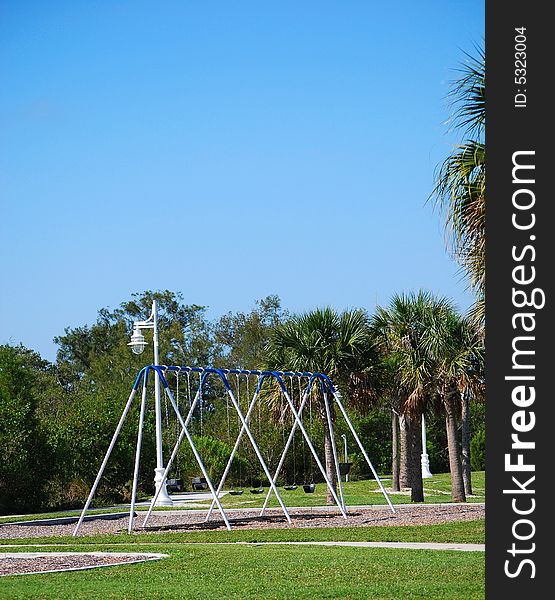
{"points": [[241, 338], [406, 330], [460, 360], [438, 356], [25, 466], [98, 370], [460, 185], [185, 336]]}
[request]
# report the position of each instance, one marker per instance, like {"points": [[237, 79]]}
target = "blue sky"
{"points": [[226, 150]]}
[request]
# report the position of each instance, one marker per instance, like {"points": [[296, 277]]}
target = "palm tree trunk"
{"points": [[465, 443], [457, 483], [404, 453], [395, 451], [415, 466], [330, 464]]}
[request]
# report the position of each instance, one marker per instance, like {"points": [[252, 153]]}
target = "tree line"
{"points": [[415, 355]]}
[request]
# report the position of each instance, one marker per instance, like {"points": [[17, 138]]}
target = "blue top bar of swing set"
{"points": [[179, 368], [205, 370]]}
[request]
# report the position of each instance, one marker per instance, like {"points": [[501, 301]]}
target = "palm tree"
{"points": [[459, 191], [408, 333], [438, 356], [460, 377], [324, 341]]}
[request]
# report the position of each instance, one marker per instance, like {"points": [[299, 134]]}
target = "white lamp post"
{"points": [[138, 345], [424, 458], [346, 456]]}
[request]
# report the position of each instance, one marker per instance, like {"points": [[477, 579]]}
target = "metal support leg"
{"points": [[284, 453], [137, 458], [106, 457], [259, 455], [232, 456], [314, 453], [346, 417], [197, 457], [334, 449]]}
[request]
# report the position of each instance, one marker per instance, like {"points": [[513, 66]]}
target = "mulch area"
{"points": [[356, 517], [185, 520], [32, 562]]}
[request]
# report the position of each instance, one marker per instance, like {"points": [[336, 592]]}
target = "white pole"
{"points": [[337, 397], [284, 453], [314, 453], [198, 458], [259, 455], [232, 456], [334, 450], [426, 474], [137, 458], [159, 480]]}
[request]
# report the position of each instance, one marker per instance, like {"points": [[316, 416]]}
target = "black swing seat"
{"points": [[309, 488], [199, 483], [290, 487], [174, 485], [344, 468], [235, 492], [257, 491]]}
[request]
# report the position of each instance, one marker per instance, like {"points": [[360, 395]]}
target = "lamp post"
{"points": [[346, 456], [424, 457], [138, 345]]}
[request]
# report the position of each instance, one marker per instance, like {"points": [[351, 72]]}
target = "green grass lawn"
{"points": [[197, 569], [238, 571], [199, 566], [436, 490], [366, 492], [458, 531]]}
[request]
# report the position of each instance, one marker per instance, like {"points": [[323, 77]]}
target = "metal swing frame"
{"points": [[312, 379]]}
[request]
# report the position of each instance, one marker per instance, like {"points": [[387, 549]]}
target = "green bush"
{"points": [[25, 464]]}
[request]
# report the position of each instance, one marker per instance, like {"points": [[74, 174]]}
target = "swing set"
{"points": [[296, 398]]}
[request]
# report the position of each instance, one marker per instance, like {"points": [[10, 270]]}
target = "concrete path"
{"points": [[405, 545], [398, 545]]}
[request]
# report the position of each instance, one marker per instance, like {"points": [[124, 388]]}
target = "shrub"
{"points": [[478, 451]]}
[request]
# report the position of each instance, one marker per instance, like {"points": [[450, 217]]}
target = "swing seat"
{"points": [[344, 468], [235, 492], [257, 491], [199, 483], [309, 488], [174, 485], [289, 487]]}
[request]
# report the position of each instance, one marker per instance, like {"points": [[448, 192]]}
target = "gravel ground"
{"points": [[26, 563], [186, 520]]}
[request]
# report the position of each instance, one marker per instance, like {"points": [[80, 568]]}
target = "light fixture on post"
{"points": [[138, 344]]}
